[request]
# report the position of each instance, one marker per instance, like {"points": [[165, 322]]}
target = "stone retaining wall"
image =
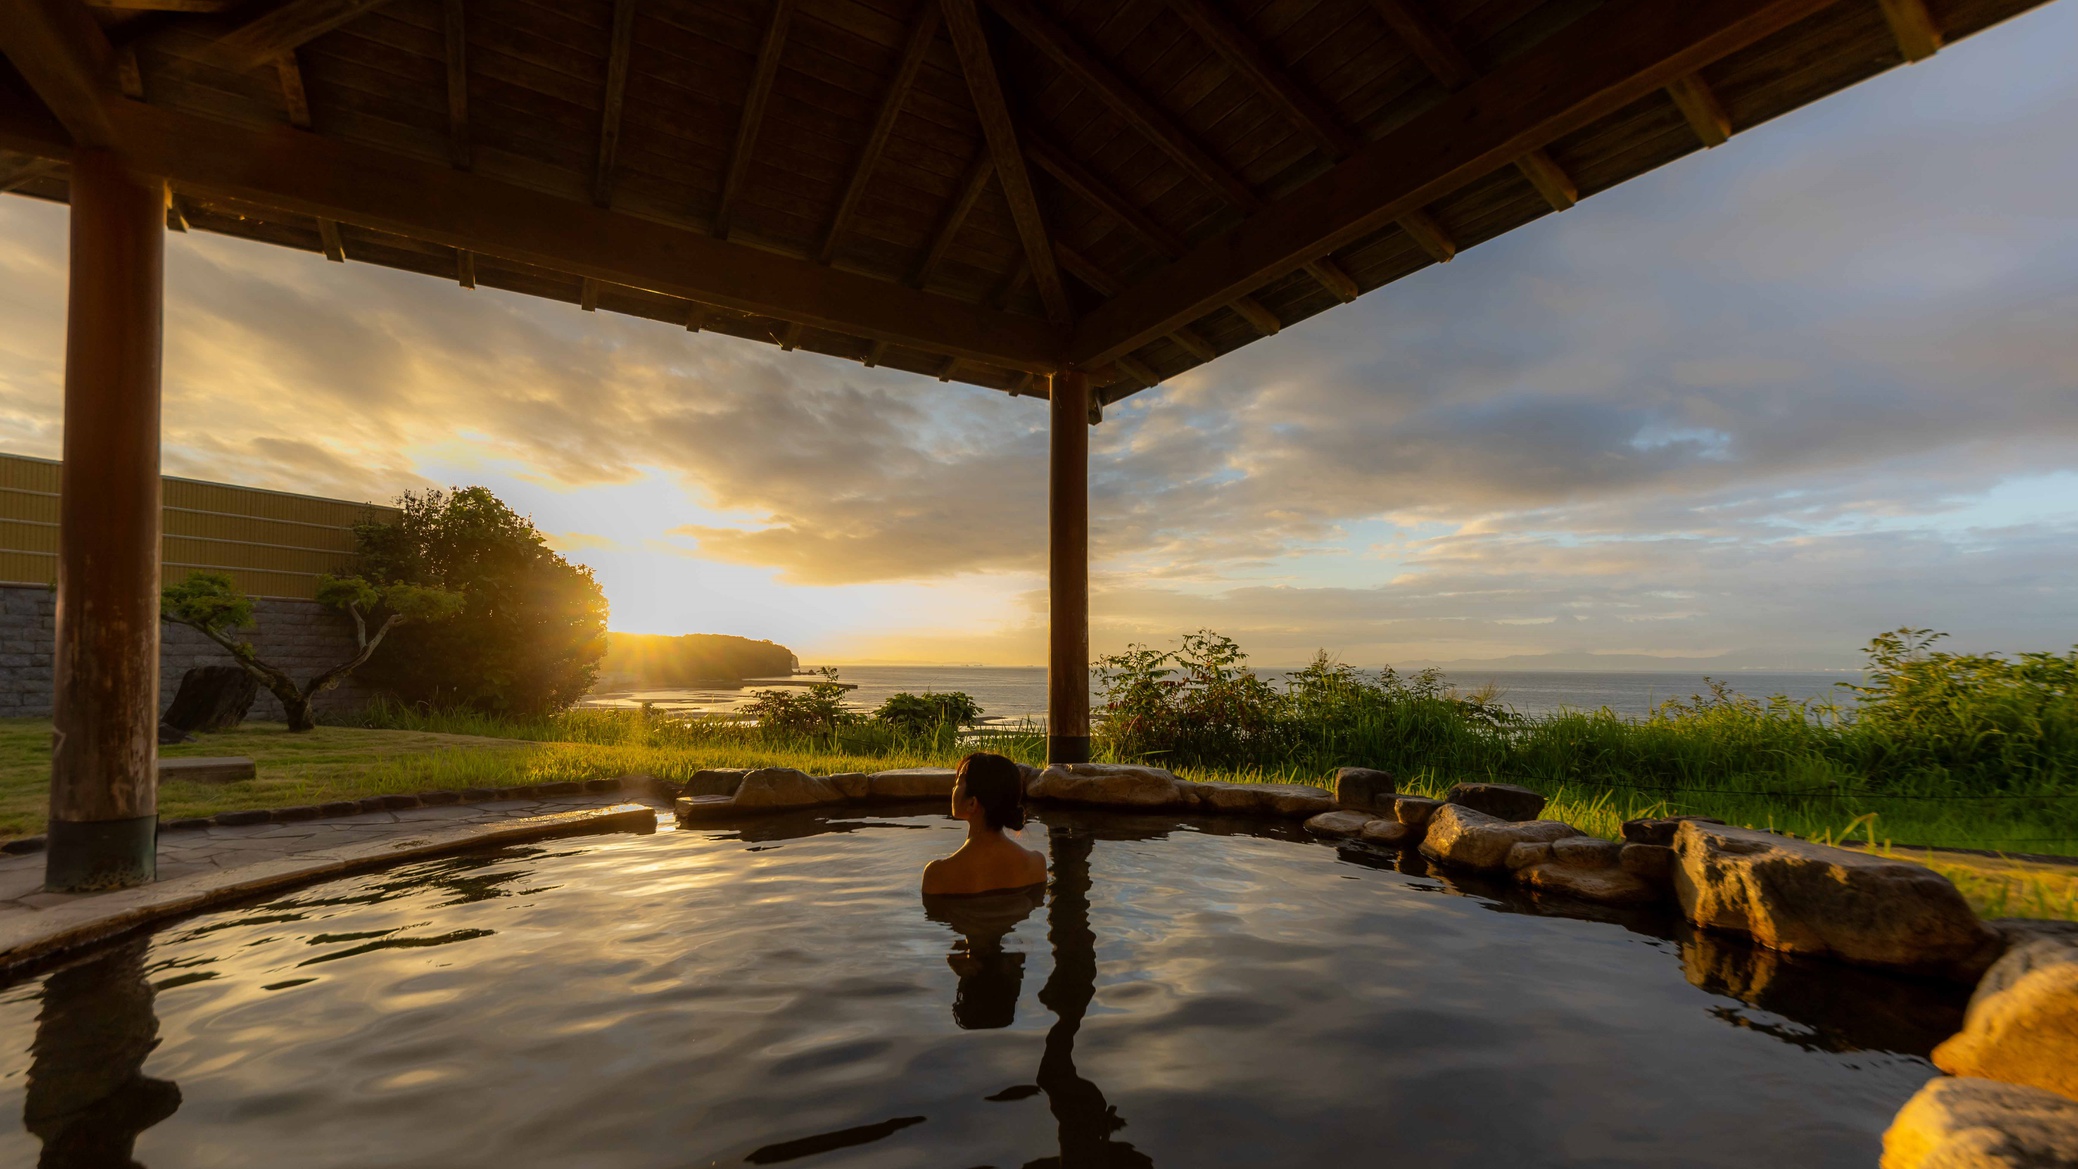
{"points": [[301, 637]]}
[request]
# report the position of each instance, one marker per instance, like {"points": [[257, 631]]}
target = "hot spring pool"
{"points": [[1182, 997]]}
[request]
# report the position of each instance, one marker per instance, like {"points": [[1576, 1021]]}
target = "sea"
{"points": [[1012, 694]]}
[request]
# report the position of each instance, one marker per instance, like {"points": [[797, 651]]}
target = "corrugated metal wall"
{"points": [[272, 543]]}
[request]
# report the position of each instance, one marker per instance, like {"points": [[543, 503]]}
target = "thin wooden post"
{"points": [[1068, 580], [104, 758]]}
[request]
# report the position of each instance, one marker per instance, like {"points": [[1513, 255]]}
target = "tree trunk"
{"points": [[297, 706]]}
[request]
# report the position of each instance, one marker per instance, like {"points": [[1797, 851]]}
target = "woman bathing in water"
{"points": [[988, 792]]}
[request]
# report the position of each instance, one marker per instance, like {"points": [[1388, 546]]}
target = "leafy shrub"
{"points": [[814, 711], [532, 627], [929, 712]]}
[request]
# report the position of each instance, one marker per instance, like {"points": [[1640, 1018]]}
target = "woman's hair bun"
{"points": [[999, 784]]}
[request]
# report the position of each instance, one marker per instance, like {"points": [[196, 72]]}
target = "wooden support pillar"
{"points": [[105, 752], [1068, 571]]}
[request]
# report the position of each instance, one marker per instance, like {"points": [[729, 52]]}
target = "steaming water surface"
{"points": [[1178, 997]]}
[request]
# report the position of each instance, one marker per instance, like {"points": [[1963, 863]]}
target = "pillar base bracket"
{"points": [[84, 856]]}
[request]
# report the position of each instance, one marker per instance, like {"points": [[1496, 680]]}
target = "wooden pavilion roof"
{"points": [[979, 190]]}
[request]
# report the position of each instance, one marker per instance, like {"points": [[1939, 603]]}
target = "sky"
{"points": [[1745, 412]]}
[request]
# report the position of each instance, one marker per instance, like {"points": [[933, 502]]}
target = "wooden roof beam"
{"points": [[200, 6], [15, 172], [1430, 235], [971, 187], [1618, 54], [1079, 180], [278, 30], [1913, 27], [1305, 112], [1261, 319], [62, 54], [455, 34], [753, 116], [1698, 103], [921, 34], [312, 175], [1438, 52], [295, 100], [1330, 276], [465, 267], [963, 22], [616, 96], [1125, 101]]}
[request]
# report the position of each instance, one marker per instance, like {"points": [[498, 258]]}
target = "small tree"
{"points": [[819, 710], [926, 713], [209, 604]]}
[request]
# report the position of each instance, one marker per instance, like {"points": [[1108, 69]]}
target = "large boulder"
{"points": [[715, 781], [1115, 784], [775, 788], [852, 785], [2022, 1024], [1415, 811], [1659, 829], [1459, 835], [1365, 788], [1809, 898], [1503, 801], [912, 783], [1983, 1124], [211, 698], [1294, 800]]}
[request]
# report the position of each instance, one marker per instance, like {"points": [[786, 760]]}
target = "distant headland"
{"points": [[637, 661]]}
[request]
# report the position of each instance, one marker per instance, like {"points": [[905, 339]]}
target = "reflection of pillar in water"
{"points": [[1085, 1120], [88, 1096]]}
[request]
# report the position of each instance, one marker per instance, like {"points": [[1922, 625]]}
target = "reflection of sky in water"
{"points": [[781, 994]]}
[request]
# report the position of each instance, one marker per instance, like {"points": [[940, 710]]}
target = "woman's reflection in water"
{"points": [[991, 978], [88, 1096]]}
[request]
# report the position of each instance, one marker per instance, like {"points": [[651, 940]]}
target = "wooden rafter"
{"points": [[588, 294], [465, 267], [281, 29], [1438, 52], [1125, 101], [1081, 181], [1245, 57], [949, 224], [1428, 233], [454, 26], [15, 172], [59, 50], [921, 34], [696, 316], [1913, 27], [201, 6], [616, 95], [963, 22], [1194, 345], [295, 100], [1601, 62], [1329, 275], [1076, 264], [310, 175], [329, 241], [129, 75], [1261, 319], [762, 76], [1698, 103]]}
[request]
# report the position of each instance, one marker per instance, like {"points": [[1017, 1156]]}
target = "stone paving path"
{"points": [[223, 849]]}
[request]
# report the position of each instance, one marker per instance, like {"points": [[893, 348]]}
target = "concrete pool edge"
{"points": [[99, 917]]}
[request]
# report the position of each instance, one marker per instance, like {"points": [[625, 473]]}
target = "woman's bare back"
{"points": [[985, 864]]}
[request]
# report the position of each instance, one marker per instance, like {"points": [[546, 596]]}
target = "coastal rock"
{"points": [[1030, 773], [1660, 829], [912, 783], [1460, 835], [1339, 824], [1809, 898], [715, 781], [783, 787], [1365, 788], [2022, 1023], [1391, 833], [1609, 885], [1653, 862], [852, 785], [1120, 785], [1983, 1124], [1296, 800], [1415, 811], [1503, 801], [693, 809]]}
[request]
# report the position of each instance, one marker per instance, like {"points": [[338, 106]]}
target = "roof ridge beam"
{"points": [[1600, 63], [305, 174], [921, 34], [963, 22], [761, 77]]}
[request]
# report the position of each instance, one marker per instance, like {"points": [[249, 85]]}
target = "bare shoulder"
{"points": [[934, 875], [1035, 864]]}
